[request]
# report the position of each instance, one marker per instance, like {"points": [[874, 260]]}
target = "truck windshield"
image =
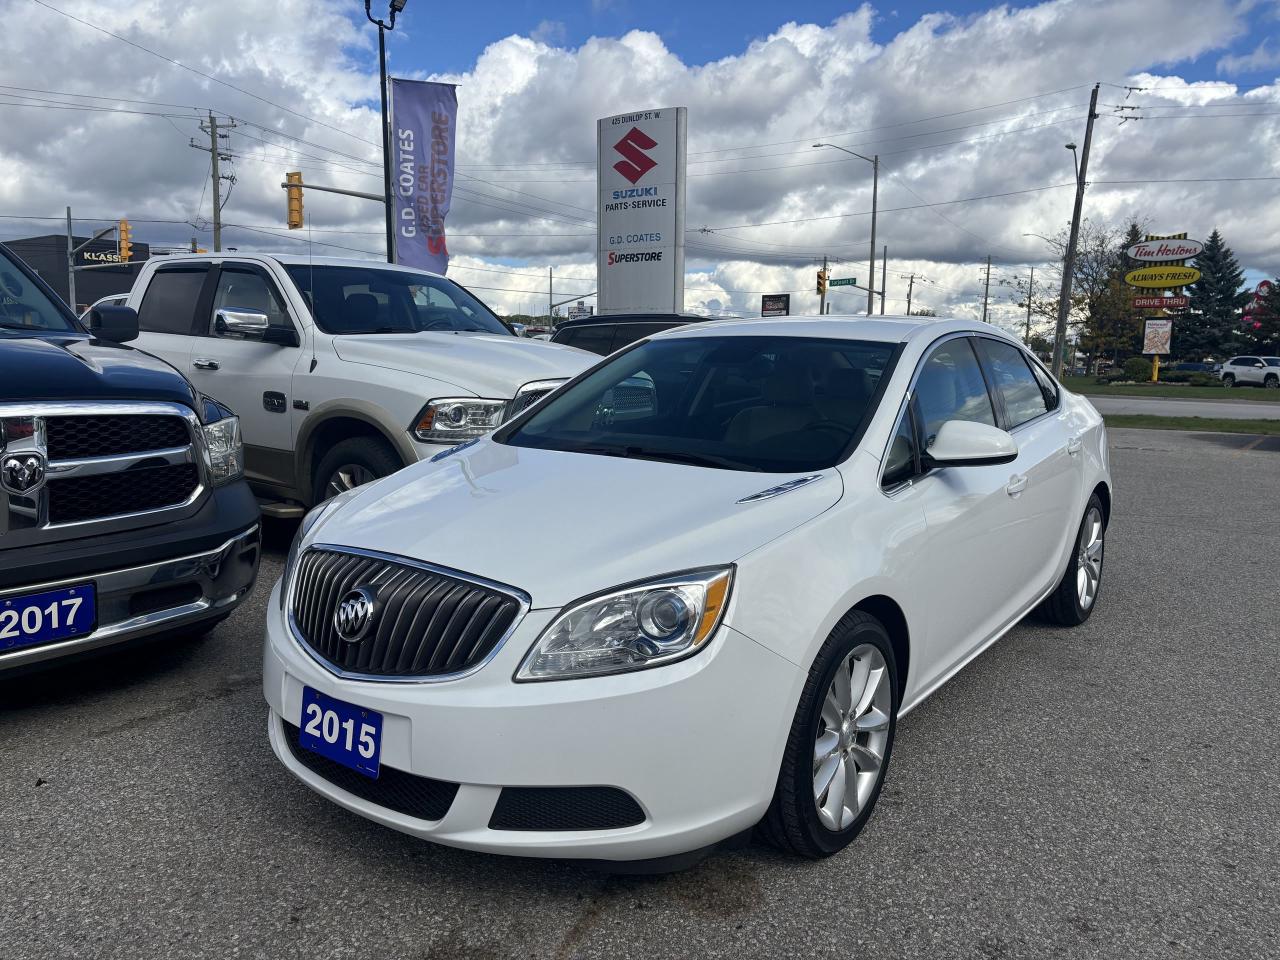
{"points": [[768, 403], [349, 300], [24, 306]]}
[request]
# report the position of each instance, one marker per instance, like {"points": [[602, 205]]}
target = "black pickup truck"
{"points": [[123, 509]]}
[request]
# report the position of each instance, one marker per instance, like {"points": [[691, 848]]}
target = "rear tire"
{"points": [[845, 750], [353, 463], [1076, 594]]}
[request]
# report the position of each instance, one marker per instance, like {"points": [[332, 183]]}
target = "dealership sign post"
{"points": [[640, 214], [424, 123]]}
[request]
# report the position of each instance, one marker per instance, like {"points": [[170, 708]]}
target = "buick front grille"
{"points": [[420, 622]]}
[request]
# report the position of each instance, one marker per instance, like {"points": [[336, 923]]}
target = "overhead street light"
{"points": [[875, 190], [396, 6], [1075, 157]]}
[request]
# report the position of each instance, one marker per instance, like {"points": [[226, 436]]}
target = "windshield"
{"points": [[776, 404], [346, 300], [24, 306]]}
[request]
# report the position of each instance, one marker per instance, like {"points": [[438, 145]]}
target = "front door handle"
{"points": [[1074, 445], [204, 363], [1017, 483]]}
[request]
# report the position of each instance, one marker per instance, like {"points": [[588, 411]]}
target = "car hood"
{"points": [[481, 364], [564, 525], [75, 367]]}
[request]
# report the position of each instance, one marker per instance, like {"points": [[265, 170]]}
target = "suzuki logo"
{"points": [[22, 473], [355, 614], [636, 162]]}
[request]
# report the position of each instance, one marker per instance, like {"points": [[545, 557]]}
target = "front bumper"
{"points": [[696, 743], [162, 580]]}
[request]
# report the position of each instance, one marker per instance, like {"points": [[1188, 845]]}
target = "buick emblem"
{"points": [[355, 614], [22, 473]]}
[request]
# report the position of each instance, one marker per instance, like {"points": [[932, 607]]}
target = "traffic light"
{"points": [[295, 199], [822, 282], [126, 242]]}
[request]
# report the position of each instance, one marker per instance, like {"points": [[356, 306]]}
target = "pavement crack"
{"points": [[228, 686]]}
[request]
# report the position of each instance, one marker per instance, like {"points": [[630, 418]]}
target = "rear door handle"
{"points": [[1017, 483], [1074, 445], [204, 363]]}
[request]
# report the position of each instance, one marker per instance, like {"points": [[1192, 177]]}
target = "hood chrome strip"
{"points": [[782, 488]]}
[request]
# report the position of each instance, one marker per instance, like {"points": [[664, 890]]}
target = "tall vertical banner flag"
{"points": [[424, 126], [640, 172]]}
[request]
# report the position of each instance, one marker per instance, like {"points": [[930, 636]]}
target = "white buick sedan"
{"points": [[689, 593]]}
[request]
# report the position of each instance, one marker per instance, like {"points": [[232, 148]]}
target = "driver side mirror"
{"points": [[251, 325], [964, 443], [117, 324]]}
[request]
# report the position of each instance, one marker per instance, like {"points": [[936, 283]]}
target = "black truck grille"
{"points": [[73, 499], [424, 623], [394, 789], [104, 435]]}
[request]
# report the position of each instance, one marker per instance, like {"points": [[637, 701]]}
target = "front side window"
{"points": [[24, 306], [353, 300], [951, 387], [241, 289], [170, 301], [767, 403], [1022, 394], [901, 461]]}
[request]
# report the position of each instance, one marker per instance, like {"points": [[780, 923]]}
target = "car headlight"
{"points": [[452, 419], [223, 450], [632, 629]]}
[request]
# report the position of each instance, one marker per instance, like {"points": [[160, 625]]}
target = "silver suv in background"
{"points": [[341, 371]]}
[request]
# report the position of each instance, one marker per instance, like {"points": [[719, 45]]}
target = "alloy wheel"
{"points": [[348, 477], [853, 733], [1089, 559]]}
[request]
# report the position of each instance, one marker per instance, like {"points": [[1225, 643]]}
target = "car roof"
{"points": [[609, 319], [289, 260], [886, 329]]}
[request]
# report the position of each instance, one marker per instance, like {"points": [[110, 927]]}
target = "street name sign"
{"points": [[843, 282]]}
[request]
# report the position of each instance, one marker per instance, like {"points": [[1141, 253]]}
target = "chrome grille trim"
{"points": [[31, 513], [320, 589]]}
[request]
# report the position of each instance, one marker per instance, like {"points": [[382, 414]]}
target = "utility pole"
{"points": [[551, 286], [822, 292], [875, 192], [1069, 260], [911, 283], [216, 154], [986, 290], [1031, 289], [884, 273]]}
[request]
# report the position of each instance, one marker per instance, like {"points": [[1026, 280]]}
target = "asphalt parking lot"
{"points": [[1112, 791]]}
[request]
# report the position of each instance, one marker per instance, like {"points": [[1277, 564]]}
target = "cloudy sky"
{"points": [[968, 106]]}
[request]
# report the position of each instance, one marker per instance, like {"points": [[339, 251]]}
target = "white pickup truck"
{"points": [[341, 371]]}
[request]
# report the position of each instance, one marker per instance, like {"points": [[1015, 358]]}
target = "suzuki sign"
{"points": [[640, 237]]}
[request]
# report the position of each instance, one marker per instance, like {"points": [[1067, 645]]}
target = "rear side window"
{"points": [[597, 339], [950, 387], [1023, 395], [169, 304]]}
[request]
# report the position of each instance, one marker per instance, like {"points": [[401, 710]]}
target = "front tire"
{"points": [[1272, 382], [1073, 600], [353, 463], [837, 753], [1229, 380]]}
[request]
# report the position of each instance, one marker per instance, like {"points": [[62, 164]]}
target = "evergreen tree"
{"points": [[1211, 327]]}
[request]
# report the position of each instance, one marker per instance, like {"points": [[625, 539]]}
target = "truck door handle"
{"points": [[204, 363], [1017, 483], [1074, 444]]}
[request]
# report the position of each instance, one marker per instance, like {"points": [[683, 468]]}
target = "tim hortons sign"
{"points": [[1161, 251]]}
